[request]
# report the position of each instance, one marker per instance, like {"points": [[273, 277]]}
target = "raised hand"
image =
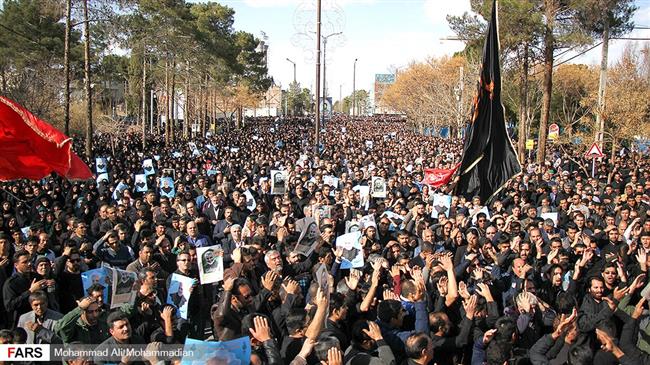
{"points": [[619, 293], [373, 331], [389, 294], [334, 356], [269, 280], [470, 307], [462, 290], [353, 280], [442, 286], [638, 309], [637, 283], [483, 290], [261, 332]]}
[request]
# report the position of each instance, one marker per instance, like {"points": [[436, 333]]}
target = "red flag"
{"points": [[32, 149], [438, 177]]}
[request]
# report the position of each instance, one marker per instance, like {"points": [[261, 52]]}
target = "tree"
{"points": [[571, 105], [430, 93], [628, 99], [613, 19]]}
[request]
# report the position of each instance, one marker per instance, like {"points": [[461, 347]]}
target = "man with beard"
{"points": [[85, 324], [19, 286], [597, 309], [237, 300], [67, 269]]}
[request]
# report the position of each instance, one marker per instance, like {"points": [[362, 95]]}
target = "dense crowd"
{"points": [[552, 272]]}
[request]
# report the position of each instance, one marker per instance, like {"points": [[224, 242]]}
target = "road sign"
{"points": [[594, 151], [530, 143], [553, 132]]}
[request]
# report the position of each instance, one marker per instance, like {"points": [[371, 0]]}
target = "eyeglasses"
{"points": [[74, 260]]}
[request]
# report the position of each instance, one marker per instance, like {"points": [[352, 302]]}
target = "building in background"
{"points": [[382, 82]]}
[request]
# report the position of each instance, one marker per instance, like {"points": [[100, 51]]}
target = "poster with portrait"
{"points": [[352, 250], [101, 276], [210, 264], [485, 210], [102, 178], [378, 187], [141, 183], [367, 221], [364, 195], [179, 293], [125, 287], [251, 204], [352, 226], [167, 187], [119, 189], [233, 352], [332, 181], [309, 235], [441, 204], [147, 166], [101, 166], [278, 182], [370, 145]]}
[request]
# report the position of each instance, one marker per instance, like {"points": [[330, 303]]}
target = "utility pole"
{"points": [[294, 85], [354, 87], [88, 85], [317, 119]]}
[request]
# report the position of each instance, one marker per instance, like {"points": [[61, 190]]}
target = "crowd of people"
{"points": [[551, 271]]}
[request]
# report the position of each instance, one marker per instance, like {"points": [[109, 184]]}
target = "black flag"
{"points": [[489, 159]]}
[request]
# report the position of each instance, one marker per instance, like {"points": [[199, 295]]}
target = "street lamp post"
{"points": [[317, 117], [294, 69], [354, 90], [325, 65]]}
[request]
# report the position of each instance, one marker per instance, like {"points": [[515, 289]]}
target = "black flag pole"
{"points": [[489, 158]]}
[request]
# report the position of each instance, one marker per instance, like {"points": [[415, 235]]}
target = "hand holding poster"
{"points": [[179, 293], [378, 187], [141, 183], [441, 204], [124, 287], [352, 250], [278, 182], [210, 264], [147, 166], [167, 187], [100, 276]]}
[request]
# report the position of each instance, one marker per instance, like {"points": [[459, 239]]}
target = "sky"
{"points": [[381, 34]]}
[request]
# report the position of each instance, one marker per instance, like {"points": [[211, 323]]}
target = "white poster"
{"points": [[278, 182], [210, 264], [141, 183], [378, 187], [551, 216], [367, 221], [147, 166], [332, 181], [352, 251], [309, 235], [251, 204], [441, 204], [125, 287], [102, 177], [352, 226], [364, 195], [101, 165], [179, 293], [483, 210]]}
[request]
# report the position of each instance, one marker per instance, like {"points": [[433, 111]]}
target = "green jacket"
{"points": [[628, 308], [71, 328]]}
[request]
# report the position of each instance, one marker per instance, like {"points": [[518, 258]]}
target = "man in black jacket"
{"points": [[19, 286]]}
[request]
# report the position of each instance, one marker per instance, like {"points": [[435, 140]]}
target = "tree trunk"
{"points": [[167, 102], [144, 98], [186, 117], [66, 67], [549, 44], [173, 102], [602, 86], [523, 106], [89, 92]]}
